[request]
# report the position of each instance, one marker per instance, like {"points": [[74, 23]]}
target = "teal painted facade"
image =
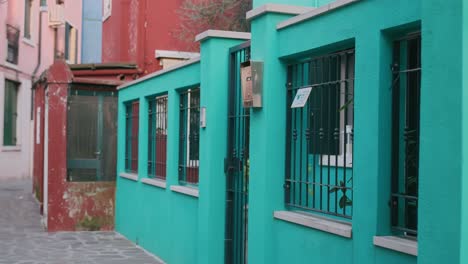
{"points": [[185, 229]]}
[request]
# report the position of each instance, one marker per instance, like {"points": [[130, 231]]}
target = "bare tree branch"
{"points": [[197, 16]]}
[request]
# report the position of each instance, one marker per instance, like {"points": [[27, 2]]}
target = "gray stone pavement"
{"points": [[24, 241]]}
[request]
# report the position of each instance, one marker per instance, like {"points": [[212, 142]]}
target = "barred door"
{"points": [[91, 134], [237, 162]]}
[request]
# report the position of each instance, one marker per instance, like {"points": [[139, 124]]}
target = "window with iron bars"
{"points": [[132, 110], [406, 90], [157, 141], [319, 157], [189, 136], [13, 44]]}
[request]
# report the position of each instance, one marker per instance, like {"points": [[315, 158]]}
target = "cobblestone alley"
{"points": [[24, 241]]}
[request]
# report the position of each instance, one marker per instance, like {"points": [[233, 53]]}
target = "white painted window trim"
{"points": [[399, 244], [29, 42], [16, 148], [11, 65], [129, 176], [320, 223], [154, 182], [190, 191]]}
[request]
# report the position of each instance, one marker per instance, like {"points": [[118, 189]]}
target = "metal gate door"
{"points": [[91, 135], [237, 162]]}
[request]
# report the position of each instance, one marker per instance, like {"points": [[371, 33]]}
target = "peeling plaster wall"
{"points": [[72, 206]]}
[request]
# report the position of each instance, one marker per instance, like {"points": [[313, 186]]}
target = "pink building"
{"points": [[33, 33]]}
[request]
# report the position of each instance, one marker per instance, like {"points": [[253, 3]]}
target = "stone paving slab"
{"points": [[24, 241]]}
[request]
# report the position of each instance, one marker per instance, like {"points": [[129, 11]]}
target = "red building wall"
{"points": [[38, 159], [136, 28], [70, 205]]}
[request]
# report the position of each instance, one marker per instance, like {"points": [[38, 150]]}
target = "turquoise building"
{"points": [[351, 146]]}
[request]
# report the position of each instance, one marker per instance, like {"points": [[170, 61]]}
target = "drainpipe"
{"points": [[39, 58], [39, 47]]}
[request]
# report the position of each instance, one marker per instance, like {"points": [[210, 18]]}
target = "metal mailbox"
{"points": [[252, 83]]}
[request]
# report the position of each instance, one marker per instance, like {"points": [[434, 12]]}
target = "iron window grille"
{"points": [[319, 157], [131, 139], [13, 44], [406, 90], [10, 114], [157, 141], [189, 136]]}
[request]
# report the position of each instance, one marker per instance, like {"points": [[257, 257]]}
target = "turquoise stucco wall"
{"points": [[213, 148], [293, 243], [160, 220], [157, 218], [464, 226], [441, 132]]}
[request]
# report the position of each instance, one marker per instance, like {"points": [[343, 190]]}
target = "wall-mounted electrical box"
{"points": [[203, 117], [252, 83]]}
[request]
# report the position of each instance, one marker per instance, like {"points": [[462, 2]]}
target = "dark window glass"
{"points": [[13, 44], [406, 129], [189, 136], [10, 114], [27, 18], [132, 110]]}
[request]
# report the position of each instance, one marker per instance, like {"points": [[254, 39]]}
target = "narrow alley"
{"points": [[24, 241]]}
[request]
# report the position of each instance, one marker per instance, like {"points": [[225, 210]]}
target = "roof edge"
{"points": [[277, 8], [211, 33], [158, 73]]}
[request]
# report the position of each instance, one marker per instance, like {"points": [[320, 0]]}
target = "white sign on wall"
{"points": [[38, 126], [301, 98], [107, 9]]}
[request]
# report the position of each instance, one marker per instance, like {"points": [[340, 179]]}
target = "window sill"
{"points": [[11, 148], [11, 66], [399, 244], [129, 176], [315, 222], [29, 42], [154, 182], [43, 9], [190, 191]]}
